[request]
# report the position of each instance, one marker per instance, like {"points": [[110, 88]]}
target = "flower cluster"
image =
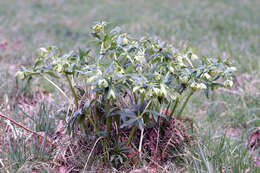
{"points": [[132, 79]]}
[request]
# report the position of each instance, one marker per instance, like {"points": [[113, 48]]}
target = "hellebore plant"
{"points": [[128, 81]]}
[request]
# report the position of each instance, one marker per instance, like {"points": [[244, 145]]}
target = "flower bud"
{"points": [[20, 75], [157, 76], [43, 51], [228, 83], [232, 69], [196, 85], [59, 68], [125, 41], [194, 57]]}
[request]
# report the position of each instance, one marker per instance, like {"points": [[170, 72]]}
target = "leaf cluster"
{"points": [[128, 81]]}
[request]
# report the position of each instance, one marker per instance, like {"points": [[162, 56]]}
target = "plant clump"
{"points": [[128, 86]]}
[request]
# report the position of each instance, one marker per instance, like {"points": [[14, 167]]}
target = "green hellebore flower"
{"points": [[103, 83], [232, 69], [196, 85], [111, 94], [139, 89], [43, 51], [157, 92], [206, 76], [202, 86], [171, 69], [157, 76], [21, 75], [213, 73], [97, 28], [228, 83], [125, 41], [184, 79], [59, 68], [194, 57]]}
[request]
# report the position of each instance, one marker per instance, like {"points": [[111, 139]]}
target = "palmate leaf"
{"points": [[38, 62], [129, 122], [113, 111], [206, 91], [95, 35], [156, 115], [79, 115], [216, 78], [126, 113], [73, 120], [83, 55]]}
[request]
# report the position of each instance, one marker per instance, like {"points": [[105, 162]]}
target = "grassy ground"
{"points": [[216, 28]]}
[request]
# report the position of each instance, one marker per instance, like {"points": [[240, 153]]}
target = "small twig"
{"points": [[25, 128], [167, 144], [140, 144], [3, 165], [26, 161], [157, 142], [165, 169], [157, 164], [91, 153]]}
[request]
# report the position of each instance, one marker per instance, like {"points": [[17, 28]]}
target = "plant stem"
{"points": [[91, 153], [174, 108], [118, 130], [184, 104], [108, 122], [142, 99], [131, 135], [56, 86], [99, 135], [140, 144], [139, 115], [73, 91]]}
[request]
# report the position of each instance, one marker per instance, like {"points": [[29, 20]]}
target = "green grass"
{"points": [[217, 28]]}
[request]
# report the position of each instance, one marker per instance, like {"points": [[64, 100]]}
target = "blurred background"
{"points": [[230, 27]]}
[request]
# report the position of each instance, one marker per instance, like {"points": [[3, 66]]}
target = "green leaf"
{"points": [[206, 91], [74, 118], [156, 115], [37, 63], [126, 113], [130, 122]]}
